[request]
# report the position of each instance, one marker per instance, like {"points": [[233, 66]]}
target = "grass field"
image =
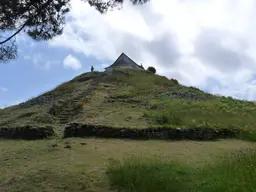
{"points": [[32, 165]]}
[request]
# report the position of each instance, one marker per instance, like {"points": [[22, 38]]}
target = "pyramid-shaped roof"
{"points": [[123, 60]]}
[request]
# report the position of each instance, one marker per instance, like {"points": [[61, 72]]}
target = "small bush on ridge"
{"points": [[152, 69]]}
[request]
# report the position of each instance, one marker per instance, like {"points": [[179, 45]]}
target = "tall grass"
{"points": [[148, 175], [234, 173]]}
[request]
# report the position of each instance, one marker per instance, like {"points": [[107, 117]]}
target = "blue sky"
{"points": [[39, 68], [207, 44]]}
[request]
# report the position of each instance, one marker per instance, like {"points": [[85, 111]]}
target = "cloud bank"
{"points": [[207, 44]]}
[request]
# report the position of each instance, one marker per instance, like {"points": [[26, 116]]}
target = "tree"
{"points": [[39, 19], [152, 69]]}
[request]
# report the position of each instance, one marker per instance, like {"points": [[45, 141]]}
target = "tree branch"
{"points": [[9, 38], [24, 25]]}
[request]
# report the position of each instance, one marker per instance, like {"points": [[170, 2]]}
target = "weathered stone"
{"points": [[54, 145], [83, 143], [67, 147], [26, 132], [198, 134]]}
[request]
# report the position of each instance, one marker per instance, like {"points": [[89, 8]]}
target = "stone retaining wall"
{"points": [[26, 132], [197, 134]]}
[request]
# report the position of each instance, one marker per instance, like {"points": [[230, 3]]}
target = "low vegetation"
{"points": [[74, 164], [234, 173]]}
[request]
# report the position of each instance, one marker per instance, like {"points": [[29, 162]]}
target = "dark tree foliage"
{"points": [[39, 19], [152, 69], [105, 6], [8, 51]]}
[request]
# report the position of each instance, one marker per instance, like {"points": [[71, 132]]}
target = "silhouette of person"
{"points": [[92, 68]]}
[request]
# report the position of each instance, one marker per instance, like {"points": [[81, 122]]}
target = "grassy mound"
{"points": [[235, 173], [131, 99]]}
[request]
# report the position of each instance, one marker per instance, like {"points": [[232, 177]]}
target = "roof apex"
{"points": [[122, 54]]}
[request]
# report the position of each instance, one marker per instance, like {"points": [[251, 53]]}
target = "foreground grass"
{"points": [[234, 173], [147, 176], [28, 166]]}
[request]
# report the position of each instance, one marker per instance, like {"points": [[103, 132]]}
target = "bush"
{"points": [[152, 69], [162, 119], [166, 118], [60, 107], [78, 108], [44, 118], [175, 81]]}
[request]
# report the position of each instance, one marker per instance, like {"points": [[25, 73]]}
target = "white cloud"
{"points": [[193, 41], [40, 62], [27, 57], [48, 64], [37, 59], [104, 65], [72, 62], [3, 89]]}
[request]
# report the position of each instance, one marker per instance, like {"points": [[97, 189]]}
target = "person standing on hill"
{"points": [[92, 68]]}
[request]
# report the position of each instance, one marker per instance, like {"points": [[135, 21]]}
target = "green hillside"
{"points": [[129, 98]]}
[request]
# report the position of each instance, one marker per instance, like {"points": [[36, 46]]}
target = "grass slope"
{"points": [[129, 98]]}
